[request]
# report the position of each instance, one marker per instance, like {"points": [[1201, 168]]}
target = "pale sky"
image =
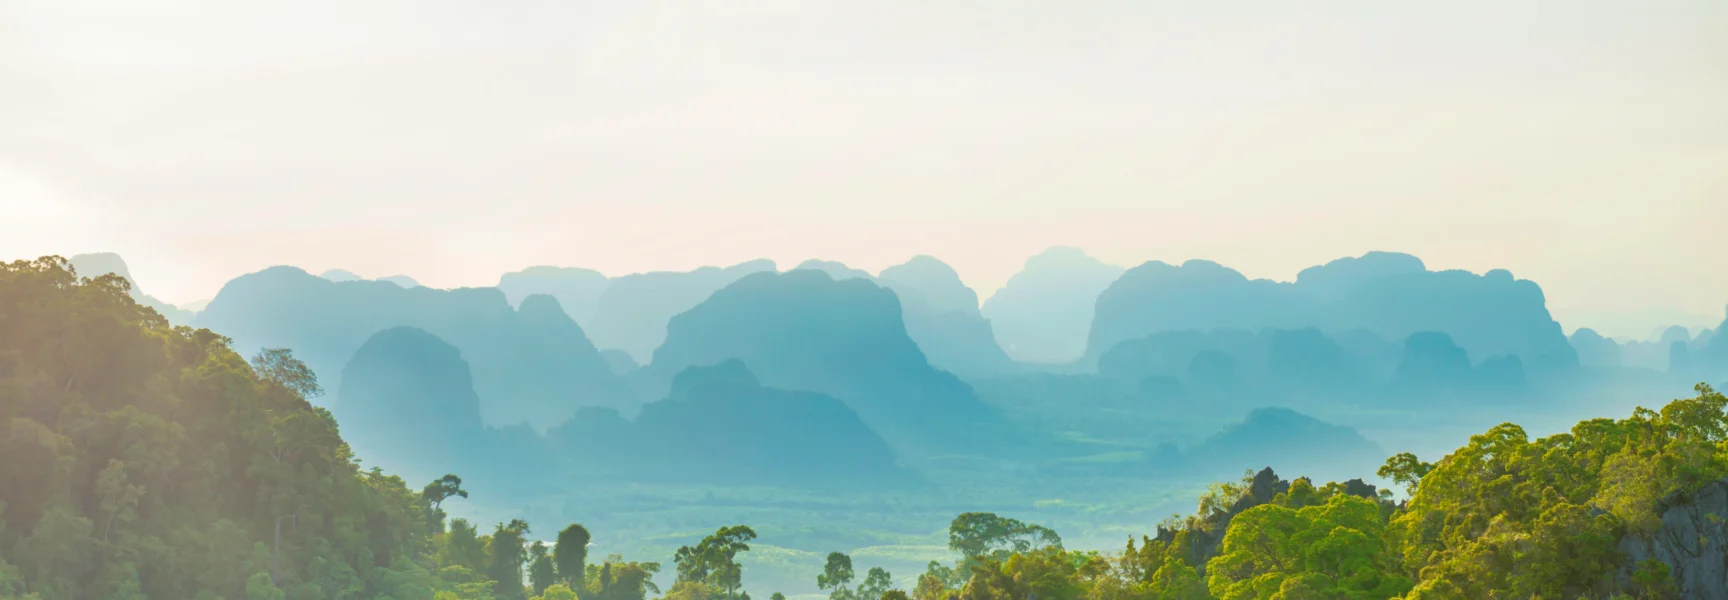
{"points": [[1579, 143]]}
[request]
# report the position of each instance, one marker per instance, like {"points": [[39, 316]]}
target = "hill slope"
{"points": [[147, 462]]}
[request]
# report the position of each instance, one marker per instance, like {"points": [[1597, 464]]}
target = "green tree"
{"points": [[119, 499], [978, 534], [713, 561], [1405, 468], [261, 587], [570, 555], [541, 573], [616, 579], [557, 591], [1175, 580], [836, 576], [876, 583], [931, 586], [1327, 550], [507, 554], [278, 365], [463, 547], [444, 488]]}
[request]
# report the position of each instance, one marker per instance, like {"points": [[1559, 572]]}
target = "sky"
{"points": [[1580, 143]]}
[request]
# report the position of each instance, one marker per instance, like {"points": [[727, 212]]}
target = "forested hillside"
{"points": [[143, 461]]}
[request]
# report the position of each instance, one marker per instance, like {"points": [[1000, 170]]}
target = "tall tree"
{"points": [[713, 561], [570, 555], [434, 495], [876, 583], [441, 489], [836, 575], [979, 534], [278, 365], [507, 557], [541, 573]]}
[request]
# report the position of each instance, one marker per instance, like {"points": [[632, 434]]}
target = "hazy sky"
{"points": [[1580, 143]]}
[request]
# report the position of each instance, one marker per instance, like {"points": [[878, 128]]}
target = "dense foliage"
{"points": [[149, 461], [1502, 517]]}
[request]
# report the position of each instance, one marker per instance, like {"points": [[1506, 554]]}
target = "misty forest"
{"points": [[1373, 429]]}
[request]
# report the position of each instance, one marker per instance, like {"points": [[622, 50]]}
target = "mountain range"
{"points": [[570, 360]]}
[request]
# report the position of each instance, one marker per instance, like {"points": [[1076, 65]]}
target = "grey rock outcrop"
{"points": [[1693, 542]]}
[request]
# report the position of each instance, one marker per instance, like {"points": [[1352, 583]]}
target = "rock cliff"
{"points": [[1693, 542]]}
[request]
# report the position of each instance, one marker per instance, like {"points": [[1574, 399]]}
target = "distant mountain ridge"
{"points": [[940, 313], [531, 365], [1393, 295], [577, 290], [632, 312], [1045, 311], [803, 330]]}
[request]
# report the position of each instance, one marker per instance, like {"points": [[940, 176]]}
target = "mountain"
{"points": [[1595, 350], [1287, 357], [632, 312], [802, 330], [344, 276], [1178, 353], [341, 275], [834, 269], [530, 365], [1713, 351], [932, 285], [103, 263], [939, 311], [1045, 312], [401, 280], [1300, 443], [1392, 295], [577, 290], [1432, 359], [619, 361], [720, 425], [942, 316], [407, 401]]}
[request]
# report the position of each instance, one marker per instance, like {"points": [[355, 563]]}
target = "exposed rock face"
{"points": [[1693, 542]]}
